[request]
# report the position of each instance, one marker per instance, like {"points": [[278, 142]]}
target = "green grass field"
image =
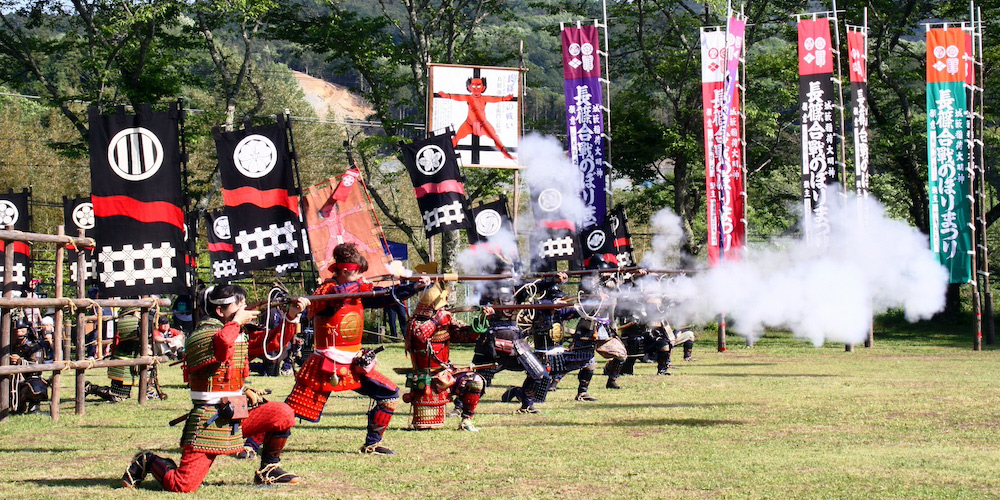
{"points": [[914, 417]]}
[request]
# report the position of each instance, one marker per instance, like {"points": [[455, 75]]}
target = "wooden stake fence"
{"points": [[79, 305]]}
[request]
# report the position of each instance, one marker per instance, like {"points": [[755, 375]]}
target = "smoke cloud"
{"points": [[819, 294], [546, 166]]}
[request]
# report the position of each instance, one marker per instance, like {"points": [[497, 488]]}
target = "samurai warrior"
{"points": [[647, 336], [126, 346], [434, 381], [29, 389], [596, 332], [504, 344], [225, 411], [338, 362]]}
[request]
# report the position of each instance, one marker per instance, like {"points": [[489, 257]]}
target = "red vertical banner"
{"points": [[720, 56], [819, 146]]}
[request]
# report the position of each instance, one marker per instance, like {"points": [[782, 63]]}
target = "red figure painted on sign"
{"points": [[476, 123]]}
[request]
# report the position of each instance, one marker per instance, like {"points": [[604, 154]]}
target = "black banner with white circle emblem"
{"points": [[14, 211], [78, 215], [489, 221], [438, 183], [138, 206], [220, 247], [258, 187]]}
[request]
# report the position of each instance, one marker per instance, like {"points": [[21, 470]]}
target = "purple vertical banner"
{"points": [[584, 119]]}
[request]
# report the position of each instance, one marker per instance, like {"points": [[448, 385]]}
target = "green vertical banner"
{"points": [[948, 175]]}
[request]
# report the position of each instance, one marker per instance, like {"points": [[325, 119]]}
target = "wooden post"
{"points": [[57, 352], [81, 342], [722, 333], [5, 343], [144, 350]]}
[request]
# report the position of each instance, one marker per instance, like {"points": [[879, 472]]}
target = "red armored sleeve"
{"points": [[223, 340]]}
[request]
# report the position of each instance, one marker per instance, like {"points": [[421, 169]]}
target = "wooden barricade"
{"points": [[79, 305]]}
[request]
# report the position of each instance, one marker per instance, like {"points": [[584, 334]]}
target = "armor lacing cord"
{"points": [[273, 294], [583, 312]]}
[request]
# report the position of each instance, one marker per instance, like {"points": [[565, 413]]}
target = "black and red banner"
{"points": [[622, 236], [138, 206], [555, 237], [857, 50], [438, 183], [220, 247], [258, 187], [491, 221], [599, 240], [816, 97], [78, 215], [15, 213]]}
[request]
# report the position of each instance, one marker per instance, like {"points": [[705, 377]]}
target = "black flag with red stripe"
{"points": [[555, 237], [220, 247], [491, 221], [78, 215], [438, 183], [138, 206], [599, 240], [622, 236], [258, 187], [14, 211]]}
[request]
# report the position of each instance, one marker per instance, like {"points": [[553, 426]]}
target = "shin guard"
{"points": [[378, 420], [274, 442]]}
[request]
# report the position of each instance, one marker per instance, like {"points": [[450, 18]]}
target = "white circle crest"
{"points": [[596, 240], [255, 156], [488, 222], [8, 213], [550, 200], [135, 154], [83, 215], [430, 159], [221, 227]]}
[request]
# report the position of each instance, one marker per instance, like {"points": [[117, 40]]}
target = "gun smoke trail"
{"points": [[819, 294]]}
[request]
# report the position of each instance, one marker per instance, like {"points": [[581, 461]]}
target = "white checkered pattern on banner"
{"points": [[284, 268], [17, 275], [557, 247], [157, 264], [262, 243], [224, 268], [90, 267], [624, 259], [451, 213]]}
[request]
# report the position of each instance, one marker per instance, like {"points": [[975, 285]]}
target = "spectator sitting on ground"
{"points": [[169, 341]]}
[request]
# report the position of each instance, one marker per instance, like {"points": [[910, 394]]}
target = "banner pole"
{"points": [[303, 228], [987, 291]]}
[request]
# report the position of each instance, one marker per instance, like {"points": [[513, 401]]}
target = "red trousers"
{"points": [[273, 416]]}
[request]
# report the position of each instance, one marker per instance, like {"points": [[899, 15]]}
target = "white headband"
{"points": [[223, 301]]}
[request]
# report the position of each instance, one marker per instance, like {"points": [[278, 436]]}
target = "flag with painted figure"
{"points": [[948, 171], [258, 188], [15, 212], [138, 205], [438, 183], [78, 215]]}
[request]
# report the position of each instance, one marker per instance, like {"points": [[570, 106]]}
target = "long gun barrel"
{"points": [[443, 277]]}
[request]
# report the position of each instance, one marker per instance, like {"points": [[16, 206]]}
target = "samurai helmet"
{"points": [[434, 297]]}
